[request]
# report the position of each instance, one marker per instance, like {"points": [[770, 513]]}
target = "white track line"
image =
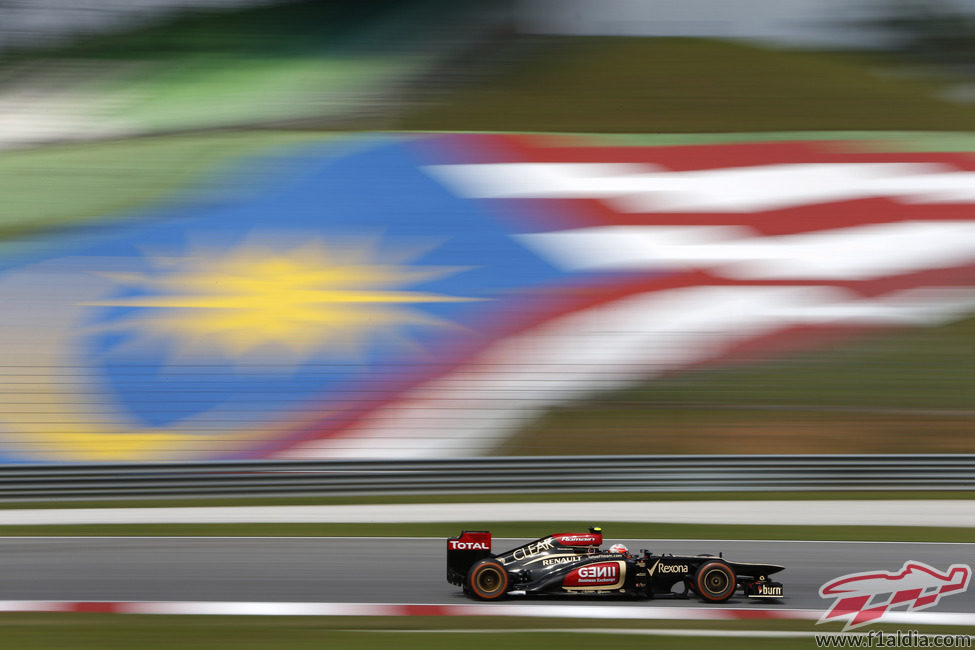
{"points": [[629, 612], [919, 512], [758, 634], [640, 540]]}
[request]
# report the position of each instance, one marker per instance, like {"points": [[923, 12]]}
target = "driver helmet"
{"points": [[618, 548]]}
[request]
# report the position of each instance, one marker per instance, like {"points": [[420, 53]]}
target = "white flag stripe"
{"points": [[643, 188], [857, 253], [543, 180], [472, 410], [632, 248]]}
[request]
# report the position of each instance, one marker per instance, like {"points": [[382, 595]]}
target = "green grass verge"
{"points": [[254, 90], [903, 392], [897, 141], [686, 85], [858, 141], [612, 530], [98, 631], [487, 498], [69, 185], [234, 66]]}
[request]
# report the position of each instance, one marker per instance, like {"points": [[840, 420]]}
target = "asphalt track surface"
{"points": [[392, 570]]}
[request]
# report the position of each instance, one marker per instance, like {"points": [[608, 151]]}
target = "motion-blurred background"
{"points": [[428, 228]]}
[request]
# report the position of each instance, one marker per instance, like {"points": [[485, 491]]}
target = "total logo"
{"points": [[454, 545]]}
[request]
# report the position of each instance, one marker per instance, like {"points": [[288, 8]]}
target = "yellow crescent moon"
{"points": [[50, 407]]}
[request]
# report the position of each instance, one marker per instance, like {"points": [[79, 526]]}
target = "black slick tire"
{"points": [[715, 581]]}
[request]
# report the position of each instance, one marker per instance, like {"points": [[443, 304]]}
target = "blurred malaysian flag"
{"points": [[427, 296]]}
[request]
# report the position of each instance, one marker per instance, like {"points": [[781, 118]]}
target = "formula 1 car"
{"points": [[573, 564]]}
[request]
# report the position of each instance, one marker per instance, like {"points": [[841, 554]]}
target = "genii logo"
{"points": [[607, 571], [598, 575], [866, 597]]}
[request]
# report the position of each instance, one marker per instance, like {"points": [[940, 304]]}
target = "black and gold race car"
{"points": [[574, 564]]}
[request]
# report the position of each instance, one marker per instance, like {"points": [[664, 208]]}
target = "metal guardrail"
{"points": [[502, 474]]}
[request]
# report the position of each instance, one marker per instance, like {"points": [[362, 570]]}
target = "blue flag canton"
{"points": [[334, 280]]}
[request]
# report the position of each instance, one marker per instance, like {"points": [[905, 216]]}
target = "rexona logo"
{"points": [[454, 545], [658, 567], [867, 597], [603, 574]]}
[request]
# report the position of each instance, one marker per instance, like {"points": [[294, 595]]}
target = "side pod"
{"points": [[463, 551]]}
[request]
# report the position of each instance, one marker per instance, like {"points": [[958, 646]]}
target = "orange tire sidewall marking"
{"points": [[700, 578], [501, 572]]}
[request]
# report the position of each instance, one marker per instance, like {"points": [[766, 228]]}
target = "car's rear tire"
{"points": [[487, 580], [715, 581]]}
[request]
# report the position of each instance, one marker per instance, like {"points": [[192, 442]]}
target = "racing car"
{"points": [[573, 564]]}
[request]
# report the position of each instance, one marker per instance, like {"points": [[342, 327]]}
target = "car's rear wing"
{"points": [[463, 551]]}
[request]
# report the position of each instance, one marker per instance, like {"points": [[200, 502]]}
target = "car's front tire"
{"points": [[487, 580], [715, 581]]}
